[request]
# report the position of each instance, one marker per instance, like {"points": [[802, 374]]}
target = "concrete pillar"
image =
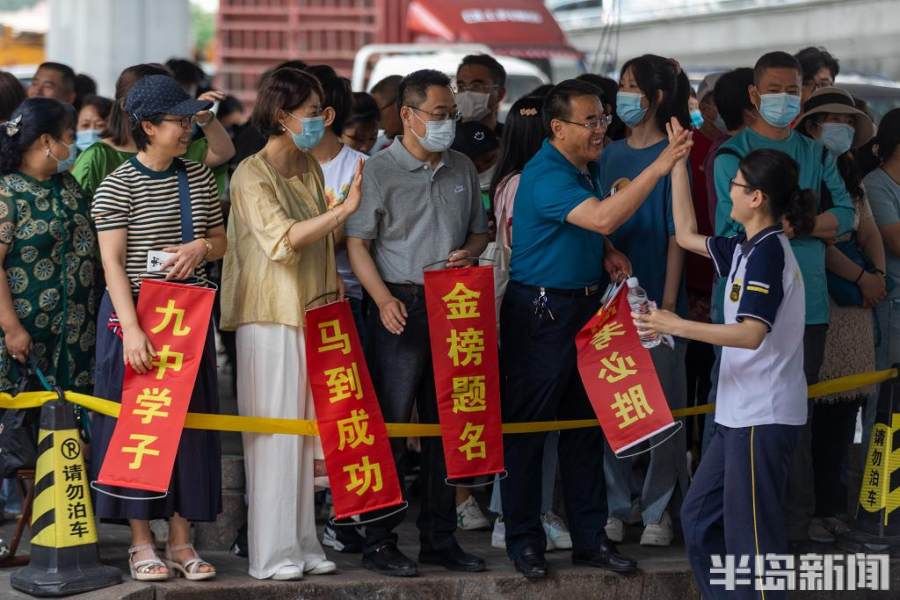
{"points": [[102, 37]]}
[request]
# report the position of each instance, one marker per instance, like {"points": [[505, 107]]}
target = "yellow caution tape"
{"points": [[306, 427]]}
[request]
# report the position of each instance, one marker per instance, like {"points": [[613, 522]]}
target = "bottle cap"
{"points": [[631, 282]]}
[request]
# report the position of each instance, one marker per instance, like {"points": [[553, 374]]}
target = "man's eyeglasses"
{"points": [[440, 116], [598, 123]]}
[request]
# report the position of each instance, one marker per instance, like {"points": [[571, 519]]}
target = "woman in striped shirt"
{"points": [[137, 209]]}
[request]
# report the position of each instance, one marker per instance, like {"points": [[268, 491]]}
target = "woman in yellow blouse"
{"points": [[281, 259]]}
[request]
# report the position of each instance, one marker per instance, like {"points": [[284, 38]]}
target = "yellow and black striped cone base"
{"points": [[876, 528], [64, 558]]}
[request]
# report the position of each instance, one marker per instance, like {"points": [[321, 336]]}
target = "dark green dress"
{"points": [[50, 266]]}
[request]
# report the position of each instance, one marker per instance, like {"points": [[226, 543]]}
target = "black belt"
{"points": [[409, 287], [589, 290]]}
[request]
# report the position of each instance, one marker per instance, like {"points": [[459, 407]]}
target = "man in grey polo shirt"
{"points": [[421, 206]]}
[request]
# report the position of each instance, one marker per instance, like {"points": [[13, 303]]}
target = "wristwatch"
{"points": [[209, 119]]}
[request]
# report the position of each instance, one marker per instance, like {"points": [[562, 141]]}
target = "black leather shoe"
{"points": [[388, 560], [452, 557], [531, 564], [604, 556]]}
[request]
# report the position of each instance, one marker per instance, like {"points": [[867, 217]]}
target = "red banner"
{"points": [[358, 454], [619, 377], [462, 325], [175, 317]]}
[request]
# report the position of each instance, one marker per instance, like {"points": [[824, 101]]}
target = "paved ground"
{"points": [[664, 575], [664, 572]]}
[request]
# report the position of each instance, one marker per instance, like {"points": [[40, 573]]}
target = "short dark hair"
{"points": [[557, 103], [813, 59], [118, 126], [498, 73], [413, 89], [336, 93], [774, 60], [608, 87], [284, 89], [364, 110], [732, 98], [229, 105], [101, 104], [140, 137], [84, 86], [389, 86], [185, 71], [37, 116], [888, 136], [68, 75], [11, 94]]}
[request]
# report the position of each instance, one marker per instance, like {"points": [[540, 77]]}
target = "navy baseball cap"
{"points": [[161, 95]]}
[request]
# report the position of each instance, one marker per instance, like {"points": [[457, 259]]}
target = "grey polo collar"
{"points": [[410, 162]]}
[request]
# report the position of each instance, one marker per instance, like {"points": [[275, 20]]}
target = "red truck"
{"points": [[253, 35]]}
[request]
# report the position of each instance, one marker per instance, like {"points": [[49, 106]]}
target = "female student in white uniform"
{"points": [[735, 503]]}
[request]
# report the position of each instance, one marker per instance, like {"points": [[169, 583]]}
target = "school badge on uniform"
{"points": [[735, 290]]}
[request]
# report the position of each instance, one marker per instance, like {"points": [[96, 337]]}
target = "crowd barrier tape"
{"points": [[305, 427]]}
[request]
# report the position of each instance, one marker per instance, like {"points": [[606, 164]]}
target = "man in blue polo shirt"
{"points": [[557, 274], [775, 93]]}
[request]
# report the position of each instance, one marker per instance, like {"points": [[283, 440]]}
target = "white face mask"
{"points": [[438, 134], [473, 106], [485, 177]]}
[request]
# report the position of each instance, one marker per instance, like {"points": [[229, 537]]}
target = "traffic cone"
{"points": [[64, 557], [876, 526]]}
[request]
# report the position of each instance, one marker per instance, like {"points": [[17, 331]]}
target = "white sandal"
{"points": [[141, 570], [189, 569]]}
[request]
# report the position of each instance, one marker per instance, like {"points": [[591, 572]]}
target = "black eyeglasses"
{"points": [[599, 123], [440, 116], [184, 122], [749, 188]]}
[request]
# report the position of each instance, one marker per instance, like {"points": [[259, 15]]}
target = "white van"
{"points": [[403, 59]]}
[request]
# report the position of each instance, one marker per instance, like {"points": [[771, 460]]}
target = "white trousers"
{"points": [[272, 382]]}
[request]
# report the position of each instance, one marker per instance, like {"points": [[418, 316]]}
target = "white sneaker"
{"points": [[658, 534], [469, 517], [557, 533], [498, 535], [615, 530], [321, 568], [288, 573]]}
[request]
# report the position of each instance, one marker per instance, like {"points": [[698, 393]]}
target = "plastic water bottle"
{"points": [[639, 303]]}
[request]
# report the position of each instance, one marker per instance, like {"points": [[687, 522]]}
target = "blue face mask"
{"points": [[86, 137], [66, 163], [628, 107], [696, 119], [838, 137], [311, 132], [779, 110]]}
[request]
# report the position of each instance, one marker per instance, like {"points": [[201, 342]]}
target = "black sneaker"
{"points": [[388, 560], [343, 538], [240, 547]]}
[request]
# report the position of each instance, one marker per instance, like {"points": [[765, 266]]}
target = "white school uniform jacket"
{"points": [[764, 386]]}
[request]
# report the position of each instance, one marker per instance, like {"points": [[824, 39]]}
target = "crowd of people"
{"points": [[761, 212]]}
